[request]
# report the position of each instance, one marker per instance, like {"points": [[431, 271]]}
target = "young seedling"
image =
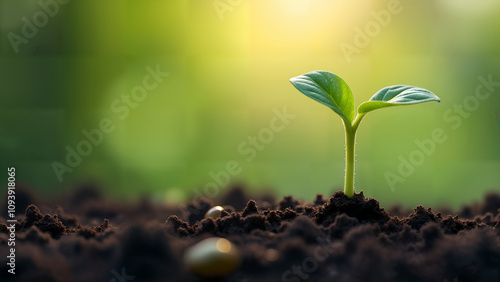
{"points": [[333, 92]]}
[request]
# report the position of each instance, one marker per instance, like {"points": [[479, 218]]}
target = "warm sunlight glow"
{"points": [[223, 245]]}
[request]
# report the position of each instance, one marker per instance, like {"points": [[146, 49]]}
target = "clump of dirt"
{"points": [[330, 239]]}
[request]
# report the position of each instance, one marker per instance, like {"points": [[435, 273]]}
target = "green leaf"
{"points": [[397, 95], [328, 89]]}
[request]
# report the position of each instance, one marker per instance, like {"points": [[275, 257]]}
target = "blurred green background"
{"points": [[229, 62]]}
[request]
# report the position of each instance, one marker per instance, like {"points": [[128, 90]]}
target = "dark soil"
{"points": [[330, 239]]}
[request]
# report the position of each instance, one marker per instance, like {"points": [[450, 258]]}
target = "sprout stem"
{"points": [[350, 138], [350, 143]]}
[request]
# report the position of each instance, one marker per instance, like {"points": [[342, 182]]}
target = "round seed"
{"points": [[214, 212], [212, 257]]}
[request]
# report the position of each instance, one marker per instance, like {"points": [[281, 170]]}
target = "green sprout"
{"points": [[332, 91]]}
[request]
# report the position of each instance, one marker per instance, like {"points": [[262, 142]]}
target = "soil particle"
{"points": [[251, 208]]}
